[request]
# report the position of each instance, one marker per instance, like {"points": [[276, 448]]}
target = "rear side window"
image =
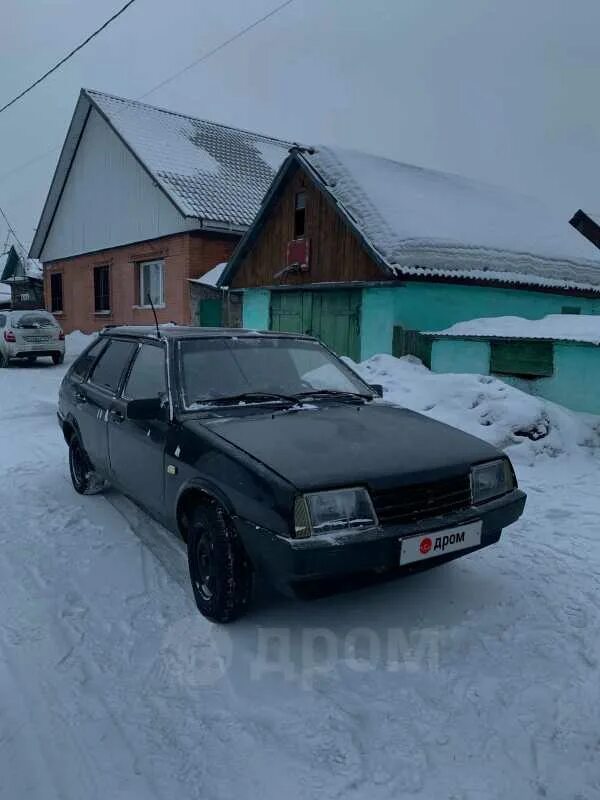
{"points": [[112, 364], [84, 363], [147, 377]]}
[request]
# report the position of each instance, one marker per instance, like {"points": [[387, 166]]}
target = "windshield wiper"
{"points": [[246, 397], [336, 394]]}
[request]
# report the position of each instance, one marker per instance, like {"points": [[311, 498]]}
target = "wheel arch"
{"points": [[194, 493]]}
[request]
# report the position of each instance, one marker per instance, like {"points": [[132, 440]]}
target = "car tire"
{"points": [[58, 358], [83, 476], [3, 360], [220, 571]]}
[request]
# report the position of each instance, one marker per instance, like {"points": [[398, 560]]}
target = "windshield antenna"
{"points": [[154, 312]]}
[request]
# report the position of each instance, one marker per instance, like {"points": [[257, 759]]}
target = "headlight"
{"points": [[491, 480], [327, 512]]}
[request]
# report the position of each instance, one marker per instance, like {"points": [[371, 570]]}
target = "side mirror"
{"points": [[150, 409], [377, 389]]}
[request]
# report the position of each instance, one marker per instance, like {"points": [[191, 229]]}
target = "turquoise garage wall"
{"points": [[255, 309], [575, 382], [435, 306], [428, 306]]}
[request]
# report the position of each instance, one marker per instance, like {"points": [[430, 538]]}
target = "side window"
{"points": [[112, 364], [2, 320], [56, 291], [147, 377], [83, 364]]}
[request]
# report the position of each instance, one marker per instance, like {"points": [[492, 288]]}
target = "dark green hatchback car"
{"points": [[268, 454]]}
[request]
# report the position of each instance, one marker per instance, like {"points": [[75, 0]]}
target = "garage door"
{"points": [[331, 316]]}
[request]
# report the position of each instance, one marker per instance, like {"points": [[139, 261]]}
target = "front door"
{"points": [[333, 316], [135, 447]]}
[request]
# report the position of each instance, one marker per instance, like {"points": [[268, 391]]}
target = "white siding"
{"points": [[108, 199]]}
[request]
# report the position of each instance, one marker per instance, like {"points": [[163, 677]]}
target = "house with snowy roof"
{"points": [[142, 201], [23, 278], [366, 253]]}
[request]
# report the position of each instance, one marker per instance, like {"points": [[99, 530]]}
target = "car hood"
{"points": [[340, 444]]}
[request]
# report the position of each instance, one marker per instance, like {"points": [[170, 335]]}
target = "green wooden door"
{"points": [[332, 316], [209, 312]]}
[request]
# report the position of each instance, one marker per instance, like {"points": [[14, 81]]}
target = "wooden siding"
{"points": [[336, 253]]}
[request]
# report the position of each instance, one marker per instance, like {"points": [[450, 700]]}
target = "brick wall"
{"points": [[185, 255]]}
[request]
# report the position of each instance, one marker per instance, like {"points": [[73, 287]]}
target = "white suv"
{"points": [[30, 334]]}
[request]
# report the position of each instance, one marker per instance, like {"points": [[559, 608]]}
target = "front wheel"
{"points": [[3, 360], [220, 572], [58, 358]]}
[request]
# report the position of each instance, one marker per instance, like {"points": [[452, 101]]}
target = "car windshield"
{"points": [[34, 321], [254, 369]]}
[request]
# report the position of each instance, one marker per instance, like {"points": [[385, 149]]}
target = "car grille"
{"points": [[405, 504], [36, 339]]}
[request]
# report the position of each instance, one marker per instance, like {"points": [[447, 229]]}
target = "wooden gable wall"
{"points": [[336, 252]]}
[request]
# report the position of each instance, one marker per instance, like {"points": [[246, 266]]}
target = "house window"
{"points": [[299, 215], [523, 359], [56, 292], [101, 289], [152, 283], [570, 310]]}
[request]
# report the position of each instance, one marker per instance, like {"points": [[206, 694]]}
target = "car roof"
{"points": [[191, 332], [19, 312]]}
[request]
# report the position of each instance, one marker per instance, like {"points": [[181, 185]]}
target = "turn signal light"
{"points": [[9, 336]]}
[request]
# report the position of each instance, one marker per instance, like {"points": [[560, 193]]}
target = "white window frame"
{"points": [[141, 266]]}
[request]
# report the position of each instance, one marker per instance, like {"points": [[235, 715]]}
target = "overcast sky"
{"points": [[501, 90]]}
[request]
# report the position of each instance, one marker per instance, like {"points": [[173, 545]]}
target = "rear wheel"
{"points": [[220, 572], [83, 476], [58, 358]]}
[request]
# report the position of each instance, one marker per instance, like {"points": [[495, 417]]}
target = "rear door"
{"points": [[136, 447], [94, 398]]}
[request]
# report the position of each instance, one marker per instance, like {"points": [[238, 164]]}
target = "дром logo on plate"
{"points": [[425, 546]]}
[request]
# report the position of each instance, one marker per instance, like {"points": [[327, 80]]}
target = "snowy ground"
{"points": [[479, 680]]}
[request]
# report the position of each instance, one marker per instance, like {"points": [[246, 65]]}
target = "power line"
{"points": [[68, 56], [219, 47], [199, 60], [12, 230]]}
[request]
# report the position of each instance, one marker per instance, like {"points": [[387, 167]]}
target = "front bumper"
{"points": [[289, 561]]}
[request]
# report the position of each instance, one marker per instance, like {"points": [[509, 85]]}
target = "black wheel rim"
{"points": [[203, 580], [77, 464]]}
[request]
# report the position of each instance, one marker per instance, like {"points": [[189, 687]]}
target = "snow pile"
{"points": [[485, 407], [76, 342], [420, 218], [571, 327]]}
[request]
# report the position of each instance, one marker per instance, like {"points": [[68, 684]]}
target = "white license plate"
{"points": [[438, 543]]}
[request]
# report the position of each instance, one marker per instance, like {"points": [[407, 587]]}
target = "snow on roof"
{"points": [[567, 327], [211, 277], [423, 220], [210, 171]]}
